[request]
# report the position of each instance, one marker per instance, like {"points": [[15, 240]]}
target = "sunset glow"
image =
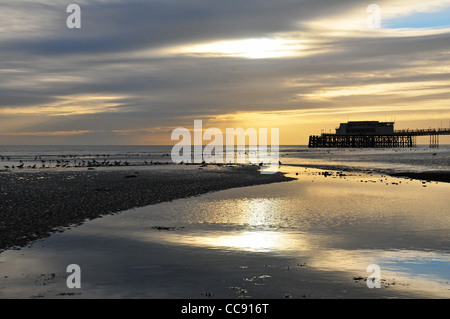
{"points": [[294, 66]]}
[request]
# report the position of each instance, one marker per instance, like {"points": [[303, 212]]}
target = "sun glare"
{"points": [[264, 48]]}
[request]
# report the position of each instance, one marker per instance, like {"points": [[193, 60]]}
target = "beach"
{"points": [[311, 237], [35, 204], [216, 150]]}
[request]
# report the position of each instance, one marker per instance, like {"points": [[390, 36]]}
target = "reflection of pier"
{"points": [[374, 135]]}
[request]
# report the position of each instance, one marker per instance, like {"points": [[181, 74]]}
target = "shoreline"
{"points": [[34, 205], [434, 176]]}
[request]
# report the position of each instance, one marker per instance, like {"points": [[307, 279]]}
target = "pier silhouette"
{"points": [[374, 134]]}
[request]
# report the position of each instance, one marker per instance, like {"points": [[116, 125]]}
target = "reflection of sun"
{"points": [[252, 241], [261, 213], [257, 212]]}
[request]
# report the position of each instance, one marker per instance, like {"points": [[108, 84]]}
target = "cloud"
{"points": [[141, 67]]}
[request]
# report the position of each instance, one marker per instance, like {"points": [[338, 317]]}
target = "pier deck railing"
{"points": [[400, 138]]}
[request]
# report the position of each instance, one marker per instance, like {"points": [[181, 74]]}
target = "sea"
{"points": [[378, 160]]}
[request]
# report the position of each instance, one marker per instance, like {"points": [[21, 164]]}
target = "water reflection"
{"points": [[274, 242], [259, 212], [324, 224], [337, 224], [256, 241], [425, 273]]}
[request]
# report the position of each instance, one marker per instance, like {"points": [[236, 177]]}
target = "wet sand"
{"points": [[35, 204]]}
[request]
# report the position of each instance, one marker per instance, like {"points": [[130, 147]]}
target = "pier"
{"points": [[373, 134]]}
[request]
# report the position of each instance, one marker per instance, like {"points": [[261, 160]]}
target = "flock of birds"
{"points": [[74, 162]]}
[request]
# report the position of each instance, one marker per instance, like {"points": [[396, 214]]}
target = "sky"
{"points": [[136, 70]]}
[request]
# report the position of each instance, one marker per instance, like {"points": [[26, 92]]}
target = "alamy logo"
{"points": [[374, 20], [74, 19], [374, 279], [216, 152], [74, 280]]}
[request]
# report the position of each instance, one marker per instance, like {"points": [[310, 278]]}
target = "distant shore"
{"points": [[434, 176], [35, 204]]}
